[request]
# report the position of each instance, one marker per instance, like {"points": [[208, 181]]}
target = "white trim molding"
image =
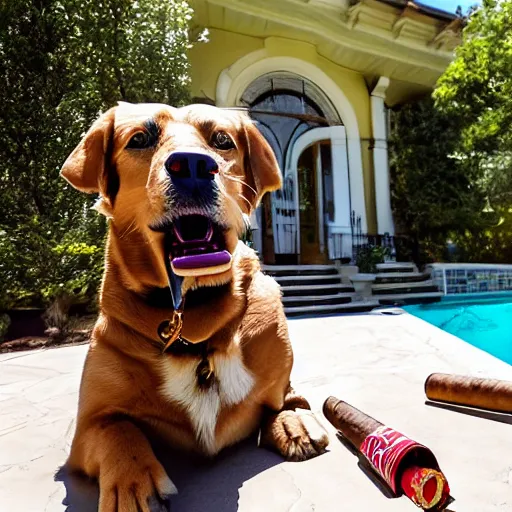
{"points": [[385, 222], [233, 82]]}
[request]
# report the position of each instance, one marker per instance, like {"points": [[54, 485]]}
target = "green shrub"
{"points": [[5, 321], [369, 257], [77, 272], [38, 269]]}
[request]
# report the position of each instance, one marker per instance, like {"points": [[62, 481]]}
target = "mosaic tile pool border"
{"points": [[454, 279]]}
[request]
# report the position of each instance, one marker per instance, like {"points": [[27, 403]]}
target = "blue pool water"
{"points": [[485, 322]]}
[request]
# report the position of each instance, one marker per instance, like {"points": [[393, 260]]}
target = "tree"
{"points": [[452, 159], [476, 92], [63, 62], [434, 189]]}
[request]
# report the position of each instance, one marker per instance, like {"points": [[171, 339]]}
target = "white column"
{"points": [[355, 164], [342, 189], [320, 199], [380, 159]]}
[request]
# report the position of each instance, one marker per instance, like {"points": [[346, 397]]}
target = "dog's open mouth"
{"points": [[196, 246]]}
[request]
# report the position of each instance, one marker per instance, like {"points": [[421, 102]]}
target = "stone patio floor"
{"points": [[377, 363]]}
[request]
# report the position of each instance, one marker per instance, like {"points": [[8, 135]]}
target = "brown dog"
{"points": [[171, 181]]}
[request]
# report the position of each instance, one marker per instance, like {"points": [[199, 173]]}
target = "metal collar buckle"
{"points": [[170, 330]]}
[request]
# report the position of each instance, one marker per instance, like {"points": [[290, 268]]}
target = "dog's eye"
{"points": [[221, 140], [141, 140]]}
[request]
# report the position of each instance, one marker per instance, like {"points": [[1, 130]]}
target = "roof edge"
{"points": [[434, 12]]}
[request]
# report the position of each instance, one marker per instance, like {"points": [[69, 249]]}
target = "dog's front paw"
{"points": [[135, 488], [297, 435]]}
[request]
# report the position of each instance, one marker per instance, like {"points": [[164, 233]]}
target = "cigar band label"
{"points": [[385, 448]]}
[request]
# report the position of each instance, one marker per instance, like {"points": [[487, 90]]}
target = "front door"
{"points": [[310, 192]]}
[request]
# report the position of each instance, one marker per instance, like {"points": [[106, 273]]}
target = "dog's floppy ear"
{"points": [[86, 167], [261, 167]]}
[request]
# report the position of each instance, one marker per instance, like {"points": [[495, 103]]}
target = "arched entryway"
{"points": [[306, 220], [316, 202]]}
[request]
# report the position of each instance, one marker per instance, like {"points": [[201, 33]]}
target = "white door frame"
{"points": [[336, 135], [320, 200]]}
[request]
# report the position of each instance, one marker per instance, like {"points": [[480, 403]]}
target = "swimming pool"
{"points": [[485, 321]]}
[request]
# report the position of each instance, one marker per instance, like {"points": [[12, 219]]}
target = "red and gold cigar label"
{"points": [[492, 394], [407, 466]]}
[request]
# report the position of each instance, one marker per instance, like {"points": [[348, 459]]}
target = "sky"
{"points": [[451, 5]]}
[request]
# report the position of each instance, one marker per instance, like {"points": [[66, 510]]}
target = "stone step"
{"points": [[320, 300], [397, 288], [298, 267], [399, 299], [399, 285], [396, 267], [305, 278], [299, 270], [315, 289], [308, 280], [401, 277], [351, 307]]}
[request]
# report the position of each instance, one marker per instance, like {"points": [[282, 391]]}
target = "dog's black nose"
{"points": [[191, 172]]}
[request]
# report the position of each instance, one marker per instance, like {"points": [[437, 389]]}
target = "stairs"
{"points": [[322, 289], [315, 289], [398, 284]]}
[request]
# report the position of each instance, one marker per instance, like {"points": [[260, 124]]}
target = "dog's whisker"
{"points": [[232, 201], [240, 211], [132, 227], [245, 199], [242, 182]]}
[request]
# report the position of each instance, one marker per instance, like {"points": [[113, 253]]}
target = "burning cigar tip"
{"points": [[426, 487]]}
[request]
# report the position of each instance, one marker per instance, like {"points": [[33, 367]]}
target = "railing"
{"points": [[341, 246], [347, 247], [363, 241], [285, 238], [339, 243], [284, 218], [399, 248], [335, 246]]}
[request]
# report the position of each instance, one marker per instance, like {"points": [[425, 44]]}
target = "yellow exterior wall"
{"points": [[209, 59], [224, 48], [354, 86]]}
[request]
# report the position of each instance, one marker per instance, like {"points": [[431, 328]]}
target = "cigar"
{"points": [[406, 466], [491, 394]]}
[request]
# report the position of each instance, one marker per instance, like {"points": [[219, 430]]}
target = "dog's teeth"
{"points": [[176, 230], [209, 233]]}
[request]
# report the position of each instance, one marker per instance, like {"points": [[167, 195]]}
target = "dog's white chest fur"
{"points": [[203, 405]]}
